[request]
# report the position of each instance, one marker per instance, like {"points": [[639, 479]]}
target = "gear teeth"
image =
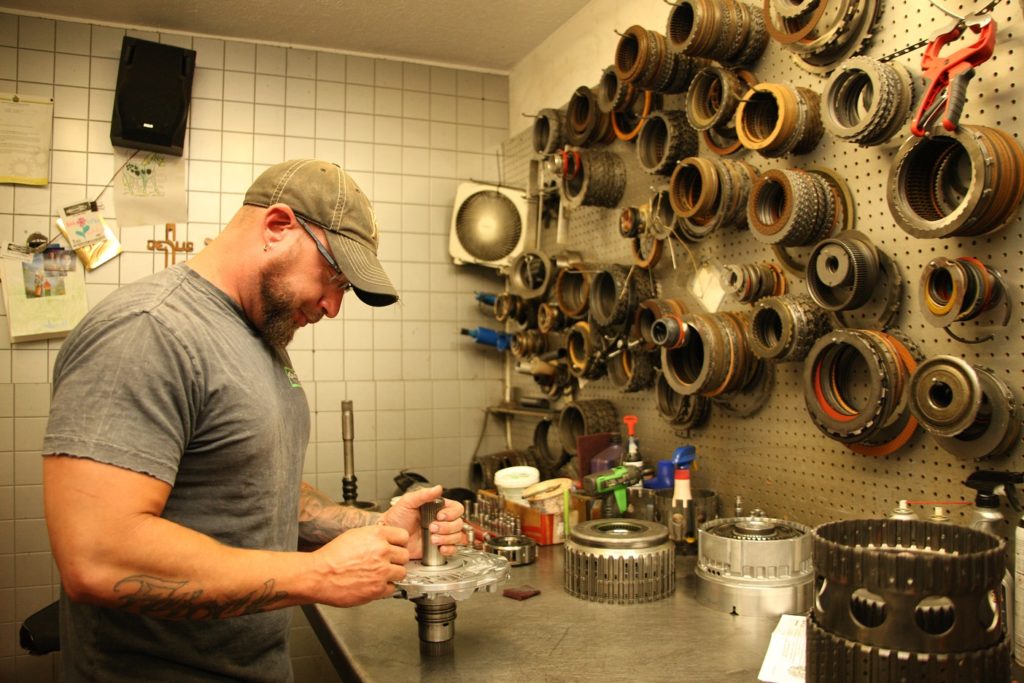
{"points": [[845, 37], [757, 39], [922, 572], [833, 658], [809, 102], [549, 140], [868, 610], [802, 322], [935, 619], [603, 182], [680, 141], [890, 104], [868, 421]]}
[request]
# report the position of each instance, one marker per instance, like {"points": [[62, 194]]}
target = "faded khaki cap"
{"points": [[323, 194]]}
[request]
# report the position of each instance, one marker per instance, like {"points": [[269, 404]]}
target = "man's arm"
{"points": [[115, 550], [321, 519]]}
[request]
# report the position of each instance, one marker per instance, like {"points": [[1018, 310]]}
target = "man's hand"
{"points": [[362, 565], [445, 532]]}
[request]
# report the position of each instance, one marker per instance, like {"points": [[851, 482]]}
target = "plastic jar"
{"points": [[512, 481]]}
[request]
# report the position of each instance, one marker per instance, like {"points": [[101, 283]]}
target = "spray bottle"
{"points": [[633, 457], [683, 458], [987, 517]]}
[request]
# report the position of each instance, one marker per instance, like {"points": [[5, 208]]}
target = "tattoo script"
{"points": [[321, 519], [153, 596]]}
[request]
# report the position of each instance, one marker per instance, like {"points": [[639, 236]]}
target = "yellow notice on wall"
{"points": [[26, 125]]}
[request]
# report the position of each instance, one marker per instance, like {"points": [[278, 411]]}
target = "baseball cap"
{"points": [[322, 193]]}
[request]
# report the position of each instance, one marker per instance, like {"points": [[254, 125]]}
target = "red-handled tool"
{"points": [[948, 76]]}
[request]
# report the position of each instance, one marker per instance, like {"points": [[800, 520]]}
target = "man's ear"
{"points": [[277, 220]]}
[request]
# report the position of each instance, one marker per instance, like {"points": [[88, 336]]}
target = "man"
{"points": [[175, 444]]}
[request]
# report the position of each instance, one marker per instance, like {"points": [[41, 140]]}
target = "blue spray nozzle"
{"points": [[486, 298], [664, 477], [485, 335], [684, 456]]}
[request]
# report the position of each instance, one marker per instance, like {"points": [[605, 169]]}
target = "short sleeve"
{"points": [[124, 393]]}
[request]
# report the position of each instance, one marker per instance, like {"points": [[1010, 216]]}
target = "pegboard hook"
{"points": [[619, 33], [529, 116], [693, 261], [625, 285]]}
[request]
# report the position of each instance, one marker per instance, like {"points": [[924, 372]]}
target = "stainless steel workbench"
{"points": [[550, 637]]}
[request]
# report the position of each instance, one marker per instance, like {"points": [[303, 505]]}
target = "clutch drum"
{"points": [[619, 561], [755, 566]]}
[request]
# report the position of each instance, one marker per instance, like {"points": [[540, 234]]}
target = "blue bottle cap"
{"points": [[684, 456]]}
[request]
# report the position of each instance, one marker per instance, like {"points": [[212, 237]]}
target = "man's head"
{"points": [[322, 194]]}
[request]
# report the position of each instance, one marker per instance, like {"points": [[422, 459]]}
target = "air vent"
{"points": [[488, 225]]}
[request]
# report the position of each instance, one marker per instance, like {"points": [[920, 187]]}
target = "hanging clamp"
{"points": [[948, 77]]}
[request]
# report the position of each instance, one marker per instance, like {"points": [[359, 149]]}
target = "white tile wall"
{"points": [[239, 86], [407, 132], [270, 59]]}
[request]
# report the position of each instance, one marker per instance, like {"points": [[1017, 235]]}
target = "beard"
{"points": [[278, 325]]}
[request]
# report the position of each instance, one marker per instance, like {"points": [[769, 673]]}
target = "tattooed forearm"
{"points": [[153, 596], [321, 519]]}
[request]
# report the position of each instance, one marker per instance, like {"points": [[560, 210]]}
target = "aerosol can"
{"points": [[987, 517], [903, 510]]}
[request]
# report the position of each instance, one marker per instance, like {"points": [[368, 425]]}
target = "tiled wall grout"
{"points": [[408, 133]]}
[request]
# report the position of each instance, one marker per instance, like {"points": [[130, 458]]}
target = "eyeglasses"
{"points": [[338, 279]]}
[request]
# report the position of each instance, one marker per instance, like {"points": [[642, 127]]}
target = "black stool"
{"points": [[40, 633]]}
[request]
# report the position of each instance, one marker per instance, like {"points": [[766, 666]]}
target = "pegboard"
{"points": [[777, 460]]}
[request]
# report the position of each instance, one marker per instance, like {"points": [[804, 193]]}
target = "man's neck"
{"points": [[223, 263]]}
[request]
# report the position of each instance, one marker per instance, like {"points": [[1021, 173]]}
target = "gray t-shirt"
{"points": [[167, 377]]}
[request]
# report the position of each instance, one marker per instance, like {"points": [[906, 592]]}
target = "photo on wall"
{"points": [[44, 294]]}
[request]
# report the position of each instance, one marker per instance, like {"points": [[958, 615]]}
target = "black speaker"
{"points": [[154, 87]]}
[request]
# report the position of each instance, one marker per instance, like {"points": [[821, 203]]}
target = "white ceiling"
{"points": [[483, 34]]}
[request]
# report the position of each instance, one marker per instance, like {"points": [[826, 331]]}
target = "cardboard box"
{"points": [[544, 528]]}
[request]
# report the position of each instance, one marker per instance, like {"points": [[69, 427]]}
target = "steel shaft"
{"points": [[349, 491], [428, 514]]}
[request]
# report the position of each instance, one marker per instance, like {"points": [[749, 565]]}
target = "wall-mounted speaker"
{"points": [[154, 87]]}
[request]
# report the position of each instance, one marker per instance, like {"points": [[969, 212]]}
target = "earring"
{"points": [[266, 247]]}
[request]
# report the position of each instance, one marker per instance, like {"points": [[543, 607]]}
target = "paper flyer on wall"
{"points": [[45, 296], [94, 254], [149, 189], [26, 125]]}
